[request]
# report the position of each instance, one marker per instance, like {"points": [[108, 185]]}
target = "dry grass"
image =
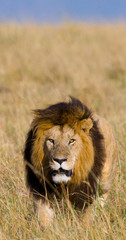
{"points": [[40, 66]]}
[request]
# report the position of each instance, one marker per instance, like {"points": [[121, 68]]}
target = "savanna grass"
{"points": [[40, 65]]}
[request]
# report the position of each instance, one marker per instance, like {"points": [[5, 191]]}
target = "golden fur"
{"points": [[68, 145], [108, 171]]}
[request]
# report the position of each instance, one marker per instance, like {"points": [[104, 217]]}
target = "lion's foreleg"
{"points": [[43, 211]]}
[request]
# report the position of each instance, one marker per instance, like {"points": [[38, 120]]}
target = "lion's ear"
{"points": [[86, 125]]}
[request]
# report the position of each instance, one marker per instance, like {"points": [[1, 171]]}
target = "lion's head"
{"points": [[62, 149], [63, 144]]}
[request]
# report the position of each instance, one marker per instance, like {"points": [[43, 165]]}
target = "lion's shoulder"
{"points": [[110, 147], [105, 128]]}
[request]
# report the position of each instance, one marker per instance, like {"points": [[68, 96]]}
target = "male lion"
{"points": [[68, 149]]}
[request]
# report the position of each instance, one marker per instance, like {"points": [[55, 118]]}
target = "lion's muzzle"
{"points": [[61, 175], [68, 173], [60, 160]]}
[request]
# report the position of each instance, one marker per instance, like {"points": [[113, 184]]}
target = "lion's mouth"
{"points": [[61, 171]]}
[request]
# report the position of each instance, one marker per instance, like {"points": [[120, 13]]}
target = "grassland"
{"points": [[40, 65]]}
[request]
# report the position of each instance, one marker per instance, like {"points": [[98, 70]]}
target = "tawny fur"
{"points": [[108, 171], [87, 146]]}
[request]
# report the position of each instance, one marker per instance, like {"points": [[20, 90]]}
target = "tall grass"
{"points": [[40, 65]]}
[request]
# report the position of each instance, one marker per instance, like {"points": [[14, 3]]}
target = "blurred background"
{"points": [[56, 11]]}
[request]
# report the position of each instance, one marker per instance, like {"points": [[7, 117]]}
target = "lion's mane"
{"points": [[84, 183]]}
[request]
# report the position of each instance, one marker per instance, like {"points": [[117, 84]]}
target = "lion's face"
{"points": [[62, 146]]}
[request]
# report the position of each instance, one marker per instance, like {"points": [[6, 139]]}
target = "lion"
{"points": [[68, 149]]}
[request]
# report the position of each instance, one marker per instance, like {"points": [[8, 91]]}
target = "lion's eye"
{"points": [[72, 141], [51, 140]]}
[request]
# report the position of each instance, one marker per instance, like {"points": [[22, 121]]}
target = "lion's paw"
{"points": [[45, 215]]}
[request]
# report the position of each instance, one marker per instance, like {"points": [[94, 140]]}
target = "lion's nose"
{"points": [[60, 160]]}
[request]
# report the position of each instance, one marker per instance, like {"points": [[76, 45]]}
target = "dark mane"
{"points": [[62, 113]]}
